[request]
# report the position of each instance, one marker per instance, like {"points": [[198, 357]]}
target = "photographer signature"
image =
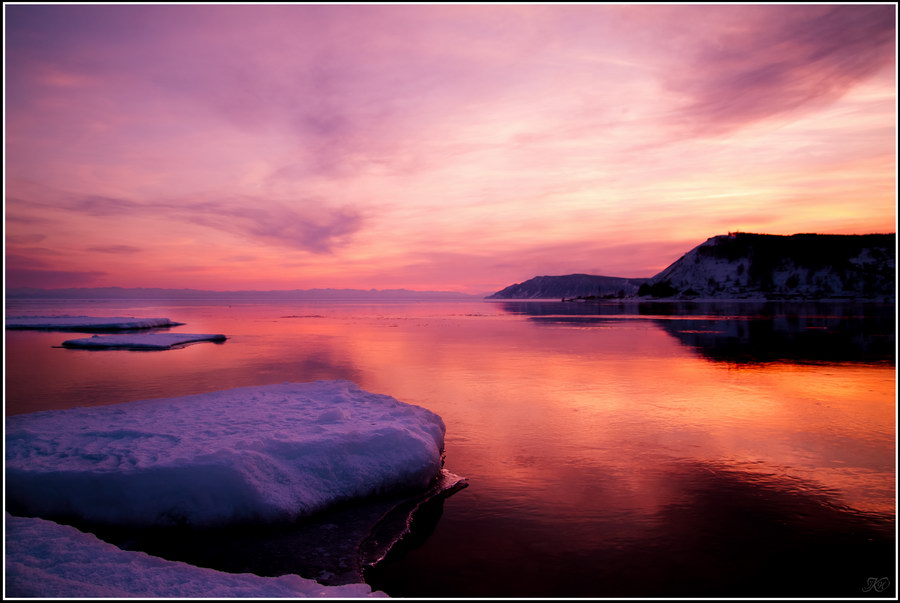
{"points": [[877, 584]]}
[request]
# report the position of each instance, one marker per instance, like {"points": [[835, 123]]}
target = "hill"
{"points": [[746, 266], [572, 285], [800, 266]]}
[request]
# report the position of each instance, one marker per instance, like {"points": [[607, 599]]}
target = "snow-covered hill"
{"points": [[800, 266], [571, 285]]}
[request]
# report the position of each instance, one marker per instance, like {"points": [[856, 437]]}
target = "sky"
{"points": [[432, 147]]}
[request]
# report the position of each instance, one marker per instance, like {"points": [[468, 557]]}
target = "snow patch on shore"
{"points": [[45, 559]]}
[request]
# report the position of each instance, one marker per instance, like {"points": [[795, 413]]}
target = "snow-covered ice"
{"points": [[45, 559], [141, 341], [89, 323], [334, 546], [253, 453]]}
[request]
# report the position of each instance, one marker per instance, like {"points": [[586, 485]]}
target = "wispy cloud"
{"points": [[25, 239], [187, 268], [50, 279], [26, 220], [303, 224], [239, 258], [795, 57], [30, 271], [115, 249], [15, 260], [32, 251], [316, 231]]}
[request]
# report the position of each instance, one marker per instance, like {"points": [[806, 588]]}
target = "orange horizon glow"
{"points": [[458, 148]]}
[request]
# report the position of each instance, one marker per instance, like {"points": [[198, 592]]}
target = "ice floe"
{"points": [[140, 341], [334, 546], [247, 454], [86, 323], [45, 559]]}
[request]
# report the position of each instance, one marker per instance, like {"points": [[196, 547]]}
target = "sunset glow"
{"points": [[432, 147]]}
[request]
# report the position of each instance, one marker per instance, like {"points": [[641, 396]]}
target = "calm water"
{"points": [[621, 450]]}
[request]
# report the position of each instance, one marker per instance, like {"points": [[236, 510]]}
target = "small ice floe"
{"points": [[86, 323], [141, 341], [48, 560], [265, 453]]}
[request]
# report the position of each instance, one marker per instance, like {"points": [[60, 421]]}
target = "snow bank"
{"points": [[144, 341], [253, 453], [92, 323], [45, 559]]}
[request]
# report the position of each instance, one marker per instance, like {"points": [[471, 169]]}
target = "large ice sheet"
{"points": [[45, 559], [140, 341], [86, 323], [253, 453]]}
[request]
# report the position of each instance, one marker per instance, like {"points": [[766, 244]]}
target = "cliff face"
{"points": [[801, 266], [572, 285]]}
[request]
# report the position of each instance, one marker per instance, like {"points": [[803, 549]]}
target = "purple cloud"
{"points": [[15, 260], [27, 220], [38, 251], [239, 258], [29, 271], [97, 205], [115, 249], [799, 56], [25, 239], [280, 224], [302, 224], [25, 277]]}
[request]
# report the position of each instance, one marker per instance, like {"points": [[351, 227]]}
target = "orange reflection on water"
{"points": [[594, 420], [559, 409]]}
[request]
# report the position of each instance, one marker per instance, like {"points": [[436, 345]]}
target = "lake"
{"points": [[623, 449]]}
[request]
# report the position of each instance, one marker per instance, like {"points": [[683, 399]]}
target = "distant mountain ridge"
{"points": [[572, 285], [747, 266], [179, 294]]}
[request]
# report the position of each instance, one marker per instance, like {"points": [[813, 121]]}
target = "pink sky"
{"points": [[433, 147]]}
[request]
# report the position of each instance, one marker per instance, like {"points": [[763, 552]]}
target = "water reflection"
{"points": [[720, 532], [697, 308], [747, 332], [788, 338], [616, 449], [43, 376]]}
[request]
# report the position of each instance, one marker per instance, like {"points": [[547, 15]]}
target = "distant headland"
{"points": [[742, 265]]}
